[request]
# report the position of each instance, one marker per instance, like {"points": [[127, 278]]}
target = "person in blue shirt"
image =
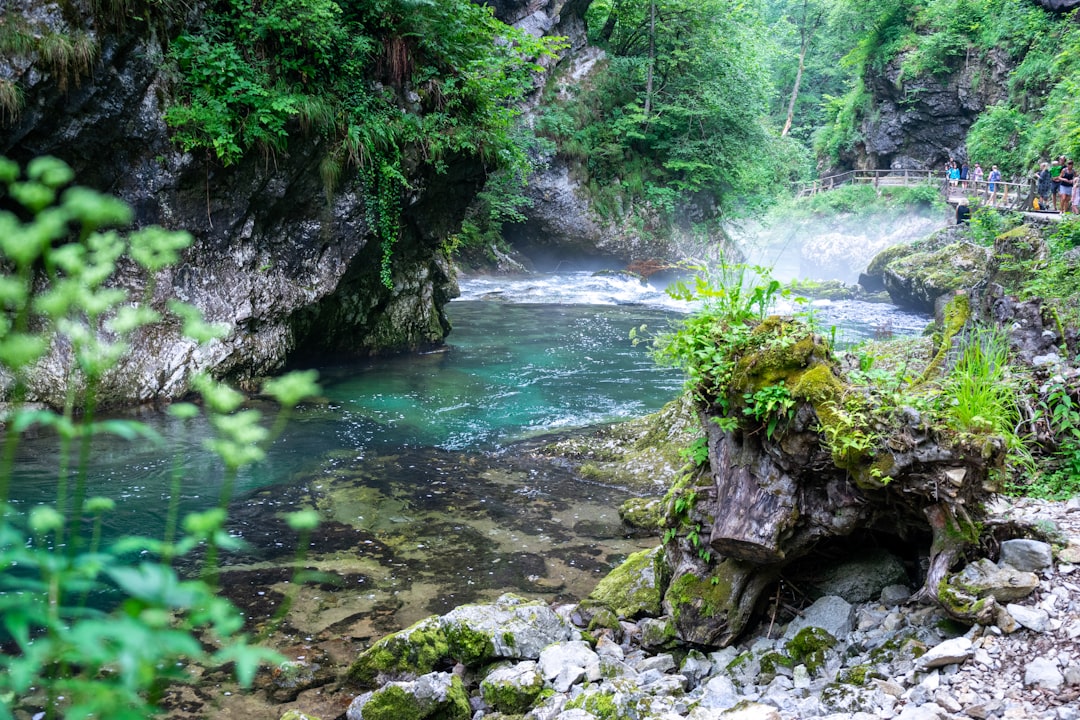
{"points": [[993, 180]]}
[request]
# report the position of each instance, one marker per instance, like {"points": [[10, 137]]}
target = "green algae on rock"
{"points": [[633, 589], [511, 627]]}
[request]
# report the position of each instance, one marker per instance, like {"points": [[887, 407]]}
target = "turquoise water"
{"points": [[422, 466]]}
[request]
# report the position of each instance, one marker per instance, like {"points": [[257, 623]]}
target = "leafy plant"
{"points": [[92, 626], [770, 405], [387, 83]]}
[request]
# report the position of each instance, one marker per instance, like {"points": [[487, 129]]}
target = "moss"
{"points": [[601, 619], [603, 706], [457, 705], [467, 645], [857, 675], [956, 314], [511, 698], [633, 589], [416, 650], [643, 514], [948, 269], [884, 258], [817, 385], [809, 647], [770, 661], [392, 703], [709, 598], [960, 604]]}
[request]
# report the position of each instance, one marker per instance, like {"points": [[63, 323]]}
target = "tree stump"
{"points": [[834, 464]]}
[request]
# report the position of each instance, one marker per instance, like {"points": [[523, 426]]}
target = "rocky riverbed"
{"points": [[878, 658]]}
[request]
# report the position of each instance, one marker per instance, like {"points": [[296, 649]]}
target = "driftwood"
{"points": [[770, 498]]}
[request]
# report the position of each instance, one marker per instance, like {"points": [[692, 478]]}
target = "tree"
{"points": [[808, 18]]}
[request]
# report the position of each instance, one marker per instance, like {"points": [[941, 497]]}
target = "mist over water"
{"points": [[834, 248]]}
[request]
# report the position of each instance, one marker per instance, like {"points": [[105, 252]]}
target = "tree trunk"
{"points": [[652, 59], [795, 90]]}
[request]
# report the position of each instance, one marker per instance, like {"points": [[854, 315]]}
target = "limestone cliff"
{"points": [[920, 123], [283, 265]]}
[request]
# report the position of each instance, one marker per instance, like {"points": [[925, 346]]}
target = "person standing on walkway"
{"points": [[1055, 171], [965, 172], [992, 182], [977, 177], [1044, 186], [1066, 180]]}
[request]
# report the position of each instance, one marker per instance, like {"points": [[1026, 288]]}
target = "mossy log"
{"points": [[834, 466]]}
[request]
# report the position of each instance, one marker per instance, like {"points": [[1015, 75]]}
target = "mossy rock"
{"points": [[416, 650], [633, 589], [437, 696], [714, 608], [645, 514], [512, 689], [918, 280], [809, 647], [511, 627]]}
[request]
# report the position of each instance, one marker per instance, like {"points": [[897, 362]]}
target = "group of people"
{"points": [[1057, 187], [960, 175]]}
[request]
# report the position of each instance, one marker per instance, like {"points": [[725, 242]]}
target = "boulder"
{"points": [[634, 589], [512, 689], [1026, 555], [859, 577], [833, 614], [1004, 583], [511, 627], [920, 279], [441, 695]]}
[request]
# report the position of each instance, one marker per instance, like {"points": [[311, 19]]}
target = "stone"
{"points": [[634, 589], [565, 664], [800, 677], [955, 650], [832, 614], [1026, 555], [511, 627], [512, 689], [1005, 584], [1031, 618], [752, 711], [663, 663], [518, 628], [929, 711], [894, 594], [1070, 553], [1043, 672], [657, 633], [860, 577], [441, 693], [720, 693], [696, 667]]}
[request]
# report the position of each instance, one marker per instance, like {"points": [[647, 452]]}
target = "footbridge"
{"points": [[1003, 196]]}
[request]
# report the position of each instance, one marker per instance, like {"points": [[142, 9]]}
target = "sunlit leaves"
{"points": [[291, 389]]}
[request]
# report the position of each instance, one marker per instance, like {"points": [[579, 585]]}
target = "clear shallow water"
{"points": [[422, 466]]}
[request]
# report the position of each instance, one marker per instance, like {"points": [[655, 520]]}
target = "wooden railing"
{"points": [[877, 178], [1018, 196]]}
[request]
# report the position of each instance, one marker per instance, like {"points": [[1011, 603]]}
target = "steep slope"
{"points": [[286, 264]]}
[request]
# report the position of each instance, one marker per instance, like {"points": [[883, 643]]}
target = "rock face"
{"points": [[283, 266], [920, 123], [1059, 5]]}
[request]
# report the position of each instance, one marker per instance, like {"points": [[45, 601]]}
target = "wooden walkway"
{"points": [[1006, 196]]}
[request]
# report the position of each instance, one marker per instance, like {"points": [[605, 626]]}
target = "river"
{"points": [[422, 466]]}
